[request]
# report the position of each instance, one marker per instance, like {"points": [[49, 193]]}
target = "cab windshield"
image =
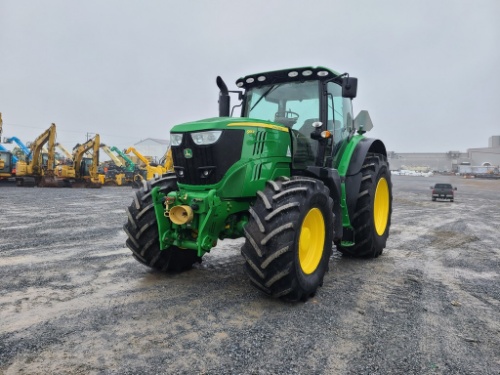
{"points": [[290, 104], [295, 105]]}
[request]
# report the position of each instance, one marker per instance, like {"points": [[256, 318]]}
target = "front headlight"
{"points": [[175, 139], [206, 138]]}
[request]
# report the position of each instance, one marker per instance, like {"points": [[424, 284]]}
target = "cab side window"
{"points": [[339, 113]]}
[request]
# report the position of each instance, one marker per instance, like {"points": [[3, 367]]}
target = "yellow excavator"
{"points": [[113, 176], [64, 150], [149, 170], [40, 169], [167, 161], [86, 167], [65, 171]]}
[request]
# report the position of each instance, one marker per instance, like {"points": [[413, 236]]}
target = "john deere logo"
{"points": [[188, 153]]}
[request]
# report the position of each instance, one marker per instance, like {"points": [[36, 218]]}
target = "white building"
{"points": [[448, 161], [153, 148]]}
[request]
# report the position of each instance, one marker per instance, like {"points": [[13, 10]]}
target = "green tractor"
{"points": [[294, 175]]}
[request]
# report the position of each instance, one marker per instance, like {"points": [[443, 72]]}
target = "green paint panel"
{"points": [[342, 165], [221, 210]]}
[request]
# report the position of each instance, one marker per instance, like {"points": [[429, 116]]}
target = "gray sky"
{"points": [[428, 70]]}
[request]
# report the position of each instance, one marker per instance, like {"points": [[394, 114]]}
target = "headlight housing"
{"points": [[175, 139], [206, 138]]}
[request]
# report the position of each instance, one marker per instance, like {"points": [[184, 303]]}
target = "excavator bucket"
{"points": [[49, 181]]}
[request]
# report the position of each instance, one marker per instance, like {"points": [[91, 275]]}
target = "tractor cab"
{"points": [[314, 103]]}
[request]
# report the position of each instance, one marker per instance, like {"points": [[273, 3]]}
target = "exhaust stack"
{"points": [[224, 98]]}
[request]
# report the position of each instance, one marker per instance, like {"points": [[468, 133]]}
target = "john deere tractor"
{"points": [[294, 175]]}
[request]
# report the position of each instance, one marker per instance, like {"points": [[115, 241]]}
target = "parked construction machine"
{"points": [[7, 160], [39, 170], [167, 162], [25, 150], [86, 174], [148, 170], [65, 171], [294, 175], [134, 174], [7, 165], [13, 157], [114, 173]]}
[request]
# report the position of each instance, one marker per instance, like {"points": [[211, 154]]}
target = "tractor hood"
{"points": [[221, 123]]}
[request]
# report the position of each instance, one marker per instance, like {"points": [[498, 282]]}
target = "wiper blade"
{"points": [[263, 96]]}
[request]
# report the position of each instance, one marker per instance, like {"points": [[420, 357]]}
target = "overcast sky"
{"points": [[428, 70]]}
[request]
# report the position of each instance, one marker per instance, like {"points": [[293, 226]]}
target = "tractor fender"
{"points": [[331, 179], [353, 175]]}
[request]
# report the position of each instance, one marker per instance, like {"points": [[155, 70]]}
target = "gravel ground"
{"points": [[74, 301]]}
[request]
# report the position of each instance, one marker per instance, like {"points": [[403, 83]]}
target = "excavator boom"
{"points": [[21, 145]]}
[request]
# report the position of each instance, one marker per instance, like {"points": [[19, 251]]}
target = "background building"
{"points": [[152, 148], [447, 161]]}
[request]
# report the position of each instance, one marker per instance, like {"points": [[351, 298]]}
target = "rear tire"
{"points": [[142, 231], [372, 218], [289, 238]]}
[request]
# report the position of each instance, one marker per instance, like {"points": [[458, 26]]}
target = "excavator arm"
{"points": [[129, 164], [21, 145], [168, 161], [65, 151], [138, 154], [112, 156]]}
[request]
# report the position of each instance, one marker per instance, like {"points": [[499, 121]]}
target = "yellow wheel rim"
{"points": [[311, 241], [381, 206]]}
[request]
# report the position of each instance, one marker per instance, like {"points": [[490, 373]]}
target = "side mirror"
{"points": [[455, 188], [349, 87]]}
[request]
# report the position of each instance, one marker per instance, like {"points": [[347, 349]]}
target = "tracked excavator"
{"points": [[39, 171], [149, 170], [86, 167], [65, 171], [7, 161], [134, 174], [167, 161], [7, 164], [115, 173]]}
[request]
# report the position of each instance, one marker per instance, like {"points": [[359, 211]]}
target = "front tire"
{"points": [[289, 238], [372, 218], [142, 231]]}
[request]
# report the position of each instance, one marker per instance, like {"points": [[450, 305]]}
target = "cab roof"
{"points": [[287, 75]]}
